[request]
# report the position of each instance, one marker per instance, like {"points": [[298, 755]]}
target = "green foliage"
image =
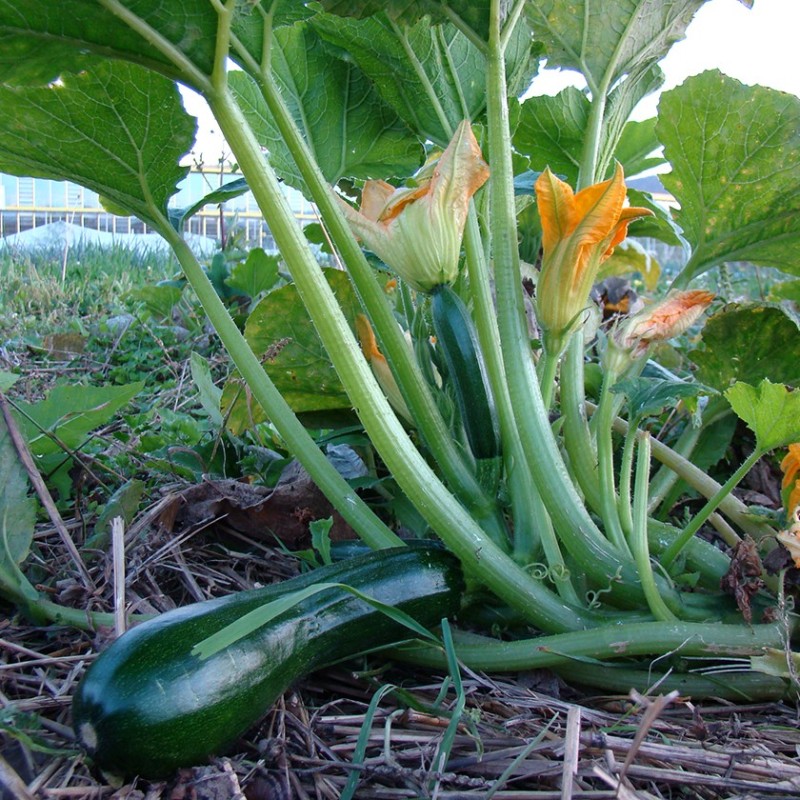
{"points": [[58, 426], [69, 132], [735, 171], [748, 342], [350, 129], [771, 411], [17, 516], [409, 65]]}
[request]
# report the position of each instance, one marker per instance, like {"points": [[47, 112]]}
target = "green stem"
{"points": [[415, 389], [625, 470], [734, 685], [731, 506], [708, 509], [574, 525], [609, 642], [639, 542], [665, 479], [578, 441], [605, 460], [346, 501], [446, 516], [548, 367], [527, 511]]}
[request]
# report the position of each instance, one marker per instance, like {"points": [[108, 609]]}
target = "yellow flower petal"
{"points": [[579, 231], [791, 464]]}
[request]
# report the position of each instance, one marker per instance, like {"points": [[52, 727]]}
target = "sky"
{"points": [[759, 45], [756, 46]]}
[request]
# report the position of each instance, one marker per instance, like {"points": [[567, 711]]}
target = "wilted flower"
{"points": [[631, 337], [417, 231], [580, 231], [676, 313], [380, 367]]}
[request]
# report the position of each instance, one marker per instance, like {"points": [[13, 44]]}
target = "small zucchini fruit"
{"points": [[458, 340], [148, 705]]}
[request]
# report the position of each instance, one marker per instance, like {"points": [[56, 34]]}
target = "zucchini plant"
{"points": [[407, 125]]}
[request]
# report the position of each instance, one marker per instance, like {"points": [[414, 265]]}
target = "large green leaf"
{"points": [[551, 132], [735, 155], [350, 130], [116, 128], [432, 75], [280, 331], [748, 343], [39, 41], [53, 36], [609, 40], [470, 14]]}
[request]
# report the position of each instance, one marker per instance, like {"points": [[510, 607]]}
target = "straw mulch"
{"points": [[521, 736]]}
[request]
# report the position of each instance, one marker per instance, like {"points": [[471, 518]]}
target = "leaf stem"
{"points": [[638, 539], [446, 516], [346, 501], [416, 392], [708, 509]]}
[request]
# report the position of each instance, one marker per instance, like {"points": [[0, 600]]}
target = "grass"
{"points": [[52, 291]]}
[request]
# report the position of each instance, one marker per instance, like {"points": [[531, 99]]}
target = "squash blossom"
{"points": [[579, 232], [791, 478], [671, 317], [417, 231], [630, 338], [380, 367]]}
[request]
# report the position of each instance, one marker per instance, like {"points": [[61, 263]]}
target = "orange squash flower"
{"points": [[791, 478], [380, 367], [579, 232], [417, 231]]}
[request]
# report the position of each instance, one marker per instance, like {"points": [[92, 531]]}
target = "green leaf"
{"points": [[280, 331], [69, 413], [258, 273], [350, 130], [628, 257], [771, 411], [117, 129], [229, 191], [17, 518], [735, 155], [123, 503], [54, 37], [608, 41], [210, 393], [748, 343], [649, 396], [551, 132], [636, 149], [320, 537], [786, 290], [7, 380], [660, 226], [159, 300], [432, 75]]}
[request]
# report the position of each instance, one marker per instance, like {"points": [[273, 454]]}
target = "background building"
{"points": [[27, 203]]}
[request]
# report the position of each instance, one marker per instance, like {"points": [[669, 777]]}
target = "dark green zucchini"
{"points": [[147, 705], [458, 341]]}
